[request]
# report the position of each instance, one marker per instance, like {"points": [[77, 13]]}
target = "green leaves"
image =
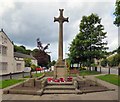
{"points": [[104, 62], [88, 43], [22, 49], [117, 13], [28, 62]]}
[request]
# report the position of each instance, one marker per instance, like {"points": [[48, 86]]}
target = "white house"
{"points": [[21, 56], [6, 54], [10, 61]]}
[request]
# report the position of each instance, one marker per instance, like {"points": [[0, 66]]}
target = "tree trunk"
{"points": [[89, 68], [80, 66], [100, 69], [96, 69], [108, 70]]}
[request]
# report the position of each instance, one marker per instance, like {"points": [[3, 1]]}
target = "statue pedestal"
{"points": [[60, 70]]}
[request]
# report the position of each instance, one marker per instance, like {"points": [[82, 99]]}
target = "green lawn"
{"points": [[9, 82], [38, 74], [87, 72], [111, 78], [72, 75], [35, 75]]}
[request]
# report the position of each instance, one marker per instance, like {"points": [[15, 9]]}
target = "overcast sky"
{"points": [[25, 21]]}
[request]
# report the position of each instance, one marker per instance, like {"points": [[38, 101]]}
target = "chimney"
{"points": [[2, 30]]}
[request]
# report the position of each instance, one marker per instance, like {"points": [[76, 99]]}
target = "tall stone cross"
{"points": [[61, 20]]}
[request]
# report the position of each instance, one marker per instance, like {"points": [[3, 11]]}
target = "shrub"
{"points": [[104, 62], [33, 67]]}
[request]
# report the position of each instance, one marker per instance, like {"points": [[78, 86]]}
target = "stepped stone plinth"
{"points": [[60, 88]]}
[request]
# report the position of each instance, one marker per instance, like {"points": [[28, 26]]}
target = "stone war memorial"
{"points": [[60, 67], [59, 82]]}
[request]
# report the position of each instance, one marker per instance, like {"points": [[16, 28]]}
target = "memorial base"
{"points": [[60, 70]]}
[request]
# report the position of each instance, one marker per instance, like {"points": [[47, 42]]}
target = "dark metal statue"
{"points": [[39, 45]]}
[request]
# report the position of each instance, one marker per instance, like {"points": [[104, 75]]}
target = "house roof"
{"points": [[6, 35], [21, 55]]}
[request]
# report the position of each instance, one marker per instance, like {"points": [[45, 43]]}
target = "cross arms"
{"points": [[61, 19]]}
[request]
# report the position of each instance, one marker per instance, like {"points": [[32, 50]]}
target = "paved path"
{"points": [[107, 95]]}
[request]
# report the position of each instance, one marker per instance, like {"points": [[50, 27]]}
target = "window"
{"points": [[4, 40], [18, 66], [4, 50], [3, 66]]}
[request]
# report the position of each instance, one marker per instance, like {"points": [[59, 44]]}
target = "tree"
{"points": [[53, 63], [19, 49], [117, 13], [118, 50], [42, 57], [88, 43], [22, 49], [104, 62], [28, 51], [33, 67], [27, 62], [114, 60]]}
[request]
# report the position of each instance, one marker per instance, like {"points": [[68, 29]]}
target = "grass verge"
{"points": [[9, 82], [85, 72], [111, 78]]}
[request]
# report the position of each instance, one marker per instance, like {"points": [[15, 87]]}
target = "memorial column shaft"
{"points": [[60, 56]]}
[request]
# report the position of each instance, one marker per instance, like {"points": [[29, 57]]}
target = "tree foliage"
{"points": [[88, 43], [28, 62], [117, 13], [114, 60], [104, 62], [22, 49], [118, 50], [42, 57], [53, 63], [33, 67]]}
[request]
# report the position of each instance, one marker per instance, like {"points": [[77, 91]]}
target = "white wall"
{"points": [[9, 57], [34, 62], [22, 65]]}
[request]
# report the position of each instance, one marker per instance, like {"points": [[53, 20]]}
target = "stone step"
{"points": [[60, 87], [60, 83], [59, 92]]}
